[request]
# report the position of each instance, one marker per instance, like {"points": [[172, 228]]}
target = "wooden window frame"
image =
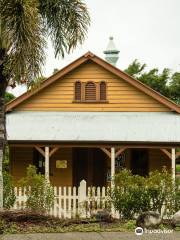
{"points": [[83, 100], [77, 100]]}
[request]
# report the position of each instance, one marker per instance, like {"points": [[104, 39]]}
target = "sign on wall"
{"points": [[61, 163]]}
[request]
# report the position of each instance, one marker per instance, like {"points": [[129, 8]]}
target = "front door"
{"points": [[140, 162], [89, 164]]}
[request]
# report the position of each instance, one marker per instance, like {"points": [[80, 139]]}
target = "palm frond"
{"points": [[66, 22], [23, 29]]}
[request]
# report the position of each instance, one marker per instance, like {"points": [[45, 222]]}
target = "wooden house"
{"points": [[89, 120]]}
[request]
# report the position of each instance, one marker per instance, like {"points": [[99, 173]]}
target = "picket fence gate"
{"points": [[70, 202]]}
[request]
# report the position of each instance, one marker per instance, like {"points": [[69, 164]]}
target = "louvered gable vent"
{"points": [[90, 91]]}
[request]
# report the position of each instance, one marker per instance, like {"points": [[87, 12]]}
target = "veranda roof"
{"points": [[93, 126]]}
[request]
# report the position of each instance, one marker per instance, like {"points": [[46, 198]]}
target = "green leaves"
{"points": [[66, 22], [135, 194], [40, 194], [9, 197], [165, 83], [25, 26], [157, 81], [135, 68], [174, 87], [129, 195], [9, 97]]}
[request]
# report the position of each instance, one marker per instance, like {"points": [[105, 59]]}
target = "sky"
{"points": [[147, 30]]}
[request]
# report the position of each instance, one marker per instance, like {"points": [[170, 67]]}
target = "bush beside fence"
{"points": [[130, 196], [70, 202], [135, 194]]}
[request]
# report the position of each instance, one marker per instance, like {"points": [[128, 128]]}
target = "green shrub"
{"points": [[129, 196], [161, 190], [177, 195], [9, 197], [9, 97], [40, 195], [135, 194], [2, 226]]}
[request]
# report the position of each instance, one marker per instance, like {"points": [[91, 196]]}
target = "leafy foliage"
{"points": [[8, 191], [23, 32], [129, 195], [25, 27], [6, 160], [135, 68], [176, 196], [165, 83], [66, 22], [174, 87], [161, 190], [135, 194], [40, 195], [9, 97], [36, 82]]}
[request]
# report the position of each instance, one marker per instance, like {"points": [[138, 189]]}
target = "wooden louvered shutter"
{"points": [[78, 91], [102, 91], [90, 91]]}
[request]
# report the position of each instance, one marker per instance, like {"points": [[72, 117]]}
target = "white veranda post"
{"points": [[47, 163], [173, 162], [112, 176], [112, 166]]}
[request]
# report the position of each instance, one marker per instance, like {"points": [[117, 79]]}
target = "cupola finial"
{"points": [[111, 52]]}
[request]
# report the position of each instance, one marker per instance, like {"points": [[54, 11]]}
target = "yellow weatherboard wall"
{"points": [[22, 157], [121, 95]]}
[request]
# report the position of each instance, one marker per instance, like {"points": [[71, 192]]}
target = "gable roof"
{"points": [[92, 57]]}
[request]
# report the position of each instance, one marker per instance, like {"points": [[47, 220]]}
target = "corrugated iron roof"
{"points": [[94, 126]]}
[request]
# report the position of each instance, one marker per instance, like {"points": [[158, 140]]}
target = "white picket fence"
{"points": [[71, 202]]}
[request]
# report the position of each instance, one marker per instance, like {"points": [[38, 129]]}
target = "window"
{"points": [[90, 91], [102, 91], [78, 91]]}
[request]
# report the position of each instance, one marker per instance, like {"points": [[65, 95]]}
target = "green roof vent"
{"points": [[111, 52]]}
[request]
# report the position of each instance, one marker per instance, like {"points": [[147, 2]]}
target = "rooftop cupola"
{"points": [[111, 52]]}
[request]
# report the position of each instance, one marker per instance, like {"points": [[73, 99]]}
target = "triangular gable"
{"points": [[90, 56]]}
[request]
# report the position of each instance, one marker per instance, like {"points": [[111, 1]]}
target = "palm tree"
{"points": [[25, 26]]}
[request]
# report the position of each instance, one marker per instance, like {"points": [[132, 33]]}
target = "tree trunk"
{"points": [[3, 85]]}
